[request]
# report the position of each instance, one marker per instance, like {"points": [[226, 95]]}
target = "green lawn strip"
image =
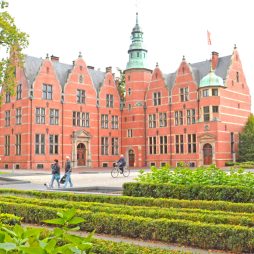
{"points": [[137, 201], [151, 212], [197, 234]]}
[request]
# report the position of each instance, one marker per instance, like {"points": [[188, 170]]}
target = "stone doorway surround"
{"points": [[81, 136], [203, 139]]}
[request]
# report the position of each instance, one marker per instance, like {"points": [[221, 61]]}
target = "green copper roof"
{"points": [[137, 53], [211, 79]]}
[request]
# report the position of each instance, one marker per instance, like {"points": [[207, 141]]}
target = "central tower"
{"points": [[137, 79]]}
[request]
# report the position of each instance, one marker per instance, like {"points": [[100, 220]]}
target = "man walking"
{"points": [[68, 172], [55, 174]]}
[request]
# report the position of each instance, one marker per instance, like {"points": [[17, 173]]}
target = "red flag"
{"points": [[209, 38]]}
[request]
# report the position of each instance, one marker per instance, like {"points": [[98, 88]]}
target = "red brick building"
{"points": [[193, 115]]}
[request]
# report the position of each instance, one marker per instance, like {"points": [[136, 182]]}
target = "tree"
{"points": [[246, 141], [12, 42], [121, 84]]}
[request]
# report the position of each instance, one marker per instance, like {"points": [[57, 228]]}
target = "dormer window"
{"points": [[184, 94], [237, 76], [81, 79], [19, 92], [157, 99]]}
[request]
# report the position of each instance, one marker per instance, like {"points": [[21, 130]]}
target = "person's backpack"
{"points": [[62, 180]]}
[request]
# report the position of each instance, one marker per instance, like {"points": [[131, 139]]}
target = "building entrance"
{"points": [[81, 154], [131, 158], [208, 154]]}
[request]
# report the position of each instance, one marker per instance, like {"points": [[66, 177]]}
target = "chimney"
{"points": [[90, 67], [108, 69], [215, 59], [54, 58]]}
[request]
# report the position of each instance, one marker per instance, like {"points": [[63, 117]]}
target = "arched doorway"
{"points": [[131, 158], [208, 154], [81, 154]]}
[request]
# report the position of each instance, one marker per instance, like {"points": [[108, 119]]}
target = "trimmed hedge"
{"points": [[191, 192], [203, 235], [216, 217], [9, 219], [110, 247], [136, 201]]}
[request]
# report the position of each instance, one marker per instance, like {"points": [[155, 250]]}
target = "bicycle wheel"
{"points": [[114, 172], [126, 171]]}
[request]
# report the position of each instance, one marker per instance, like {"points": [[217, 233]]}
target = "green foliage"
{"points": [[200, 176], [246, 141], [12, 41], [121, 84], [33, 240]]}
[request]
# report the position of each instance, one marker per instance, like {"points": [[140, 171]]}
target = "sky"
{"points": [[101, 29]]}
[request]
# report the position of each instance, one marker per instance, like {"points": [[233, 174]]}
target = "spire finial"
{"points": [[47, 56], [80, 54], [157, 65], [183, 58], [235, 46], [136, 18]]}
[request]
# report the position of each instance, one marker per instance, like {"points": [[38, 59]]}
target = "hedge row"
{"points": [[191, 192], [203, 235], [137, 201], [9, 219], [216, 217], [109, 247]]}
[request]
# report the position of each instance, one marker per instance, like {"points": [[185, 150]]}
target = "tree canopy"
{"points": [[246, 141], [12, 42]]}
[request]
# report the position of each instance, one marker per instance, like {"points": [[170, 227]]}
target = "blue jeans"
{"points": [[68, 180], [53, 178]]}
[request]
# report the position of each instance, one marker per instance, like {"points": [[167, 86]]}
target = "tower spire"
{"points": [[137, 52]]}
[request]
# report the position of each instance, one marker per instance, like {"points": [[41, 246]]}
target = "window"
{"points": [[184, 94], [53, 144], [115, 146], [215, 92], [104, 146], [81, 79], [109, 101], [192, 147], [206, 114], [129, 134], [178, 117], [163, 145], [129, 106], [54, 116], [152, 121], [114, 122], [152, 145], [18, 116], [7, 117], [179, 144], [47, 92], [40, 115], [191, 116], [81, 96], [7, 97], [39, 143], [19, 92], [205, 93], [237, 76], [18, 144], [81, 119], [163, 119], [232, 141], [7, 145], [104, 121], [157, 99], [215, 109], [129, 91]]}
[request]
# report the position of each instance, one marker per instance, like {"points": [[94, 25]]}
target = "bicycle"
{"points": [[116, 171]]}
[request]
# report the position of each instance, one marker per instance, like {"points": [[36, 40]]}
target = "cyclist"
{"points": [[121, 163]]}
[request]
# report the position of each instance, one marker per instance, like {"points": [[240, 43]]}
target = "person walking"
{"points": [[55, 174], [68, 170], [121, 163]]}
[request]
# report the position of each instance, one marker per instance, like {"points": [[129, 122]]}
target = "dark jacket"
{"points": [[68, 167], [55, 169], [121, 162]]}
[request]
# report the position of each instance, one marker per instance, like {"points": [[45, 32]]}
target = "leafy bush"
{"points": [[200, 176], [229, 163]]}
